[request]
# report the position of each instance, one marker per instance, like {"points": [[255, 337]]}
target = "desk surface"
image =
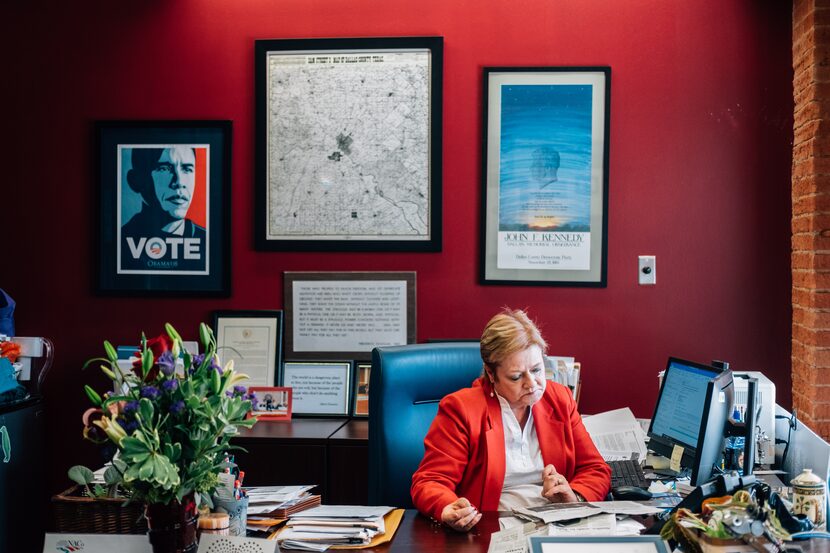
{"points": [[295, 430], [418, 533]]}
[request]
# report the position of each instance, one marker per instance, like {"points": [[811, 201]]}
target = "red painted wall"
{"points": [[701, 126]]}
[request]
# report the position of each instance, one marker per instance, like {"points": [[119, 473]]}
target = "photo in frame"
{"points": [[272, 402], [319, 388], [348, 144], [360, 405], [345, 315], [253, 340], [545, 176], [164, 212]]}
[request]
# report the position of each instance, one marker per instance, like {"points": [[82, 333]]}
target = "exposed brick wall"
{"points": [[811, 213]]}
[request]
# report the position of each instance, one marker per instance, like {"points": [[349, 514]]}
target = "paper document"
{"points": [[617, 435], [558, 511], [342, 511], [514, 539], [604, 524], [625, 507]]}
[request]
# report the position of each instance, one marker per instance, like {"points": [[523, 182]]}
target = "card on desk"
{"points": [[96, 543]]}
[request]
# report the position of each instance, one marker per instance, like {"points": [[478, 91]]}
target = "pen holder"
{"points": [[237, 510]]}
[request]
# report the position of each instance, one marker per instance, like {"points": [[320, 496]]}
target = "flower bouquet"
{"points": [[170, 428]]}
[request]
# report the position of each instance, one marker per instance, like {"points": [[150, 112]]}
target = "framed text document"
{"points": [[345, 315]]}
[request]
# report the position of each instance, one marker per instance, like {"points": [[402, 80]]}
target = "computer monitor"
{"points": [[692, 411]]}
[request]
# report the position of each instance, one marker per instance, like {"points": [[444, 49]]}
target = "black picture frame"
{"points": [[238, 329], [176, 245], [320, 402], [348, 159], [544, 210]]}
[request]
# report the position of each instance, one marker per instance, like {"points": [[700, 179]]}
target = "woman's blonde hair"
{"points": [[506, 333]]}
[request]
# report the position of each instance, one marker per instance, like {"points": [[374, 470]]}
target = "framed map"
{"points": [[348, 147]]}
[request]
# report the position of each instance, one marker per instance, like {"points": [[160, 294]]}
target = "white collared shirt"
{"points": [[522, 462]]}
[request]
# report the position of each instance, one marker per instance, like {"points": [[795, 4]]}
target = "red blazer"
{"points": [[464, 450]]}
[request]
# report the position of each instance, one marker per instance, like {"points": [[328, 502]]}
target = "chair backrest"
{"points": [[406, 384]]}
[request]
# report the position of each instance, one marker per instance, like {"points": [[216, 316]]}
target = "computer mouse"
{"points": [[630, 493]]}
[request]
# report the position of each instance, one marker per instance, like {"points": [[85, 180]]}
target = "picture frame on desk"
{"points": [[253, 340], [544, 217], [360, 401], [352, 188], [164, 208], [273, 403], [344, 315], [320, 388]]}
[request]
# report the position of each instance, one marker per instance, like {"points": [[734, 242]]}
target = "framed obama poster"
{"points": [[165, 208], [545, 177]]}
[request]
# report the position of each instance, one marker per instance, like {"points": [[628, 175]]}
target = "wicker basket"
{"points": [[77, 513]]}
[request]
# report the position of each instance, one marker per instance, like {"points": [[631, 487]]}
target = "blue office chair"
{"points": [[405, 386]]}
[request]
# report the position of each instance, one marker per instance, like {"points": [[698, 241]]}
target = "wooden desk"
{"points": [[418, 533], [348, 464], [287, 452]]}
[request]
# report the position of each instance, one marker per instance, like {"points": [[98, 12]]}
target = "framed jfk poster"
{"points": [[348, 144], [164, 207], [545, 176]]}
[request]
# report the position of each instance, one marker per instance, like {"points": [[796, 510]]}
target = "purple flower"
{"points": [[150, 392], [198, 359], [170, 385], [177, 407], [129, 427], [130, 407], [166, 363], [240, 391]]}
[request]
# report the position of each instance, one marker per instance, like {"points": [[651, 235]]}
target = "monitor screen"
{"points": [[691, 413], [682, 401]]}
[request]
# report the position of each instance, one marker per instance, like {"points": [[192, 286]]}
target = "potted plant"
{"points": [[170, 428]]}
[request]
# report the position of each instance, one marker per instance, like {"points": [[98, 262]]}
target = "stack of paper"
{"points": [[270, 502], [319, 528], [617, 435], [564, 370]]}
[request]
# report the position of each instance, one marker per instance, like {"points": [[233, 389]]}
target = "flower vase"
{"points": [[172, 526]]}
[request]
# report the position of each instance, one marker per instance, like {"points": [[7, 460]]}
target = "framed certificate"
{"points": [[253, 339], [318, 388]]}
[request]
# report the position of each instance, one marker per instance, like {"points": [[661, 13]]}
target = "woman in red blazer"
{"points": [[469, 467]]}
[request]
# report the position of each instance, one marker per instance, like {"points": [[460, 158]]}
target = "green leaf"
{"points": [[92, 395], [99, 491], [81, 475], [147, 468], [145, 409], [146, 362], [112, 476]]}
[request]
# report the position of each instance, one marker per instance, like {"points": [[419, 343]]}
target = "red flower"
{"points": [[92, 432], [157, 346]]}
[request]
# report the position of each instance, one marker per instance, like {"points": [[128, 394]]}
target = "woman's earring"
{"points": [[491, 391]]}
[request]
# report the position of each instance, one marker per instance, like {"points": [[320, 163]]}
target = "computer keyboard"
{"points": [[627, 473]]}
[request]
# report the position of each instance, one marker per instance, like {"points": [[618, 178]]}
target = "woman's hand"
{"points": [[555, 487], [460, 515]]}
